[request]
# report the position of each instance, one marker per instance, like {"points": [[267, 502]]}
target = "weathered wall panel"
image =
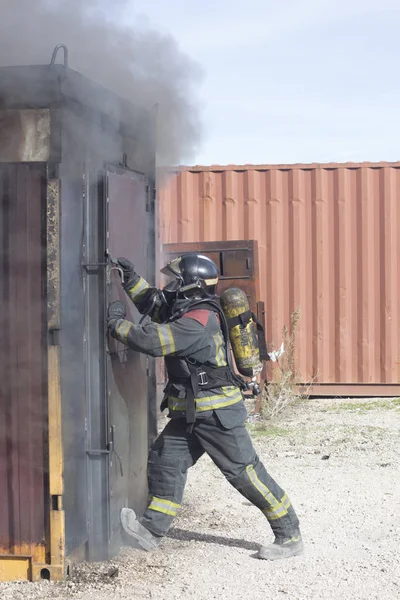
{"points": [[23, 415], [329, 243], [25, 135]]}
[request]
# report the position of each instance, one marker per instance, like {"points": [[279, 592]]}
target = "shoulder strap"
{"points": [[262, 342], [213, 306], [243, 319]]}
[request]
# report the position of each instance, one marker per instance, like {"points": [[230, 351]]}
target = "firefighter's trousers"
{"points": [[175, 450]]}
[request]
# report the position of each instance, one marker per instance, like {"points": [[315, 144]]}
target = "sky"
{"points": [[289, 81]]}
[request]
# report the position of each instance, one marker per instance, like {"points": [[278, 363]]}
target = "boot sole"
{"points": [[288, 553], [143, 543]]}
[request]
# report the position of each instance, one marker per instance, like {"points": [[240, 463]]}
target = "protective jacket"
{"points": [[199, 379]]}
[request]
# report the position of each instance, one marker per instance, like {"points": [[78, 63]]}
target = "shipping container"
{"points": [[76, 408], [328, 244]]}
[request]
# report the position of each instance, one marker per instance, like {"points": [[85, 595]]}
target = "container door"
{"points": [[237, 262], [128, 235], [24, 472]]}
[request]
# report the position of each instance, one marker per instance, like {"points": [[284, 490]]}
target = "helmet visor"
{"points": [[173, 285], [173, 267]]}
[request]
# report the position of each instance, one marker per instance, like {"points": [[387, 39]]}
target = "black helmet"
{"points": [[196, 276]]}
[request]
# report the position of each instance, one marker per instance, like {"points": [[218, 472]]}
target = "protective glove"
{"points": [[116, 311], [128, 269]]}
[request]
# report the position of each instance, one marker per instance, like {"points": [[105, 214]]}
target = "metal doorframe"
{"points": [[94, 276]]}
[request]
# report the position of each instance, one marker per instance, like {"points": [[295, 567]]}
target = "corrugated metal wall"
{"points": [[329, 243], [23, 413]]}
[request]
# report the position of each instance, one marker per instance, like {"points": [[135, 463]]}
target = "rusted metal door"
{"points": [[128, 372], [237, 262], [24, 494]]}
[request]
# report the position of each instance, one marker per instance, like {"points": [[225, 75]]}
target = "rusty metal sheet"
{"points": [[25, 135], [23, 451], [329, 244], [237, 263]]}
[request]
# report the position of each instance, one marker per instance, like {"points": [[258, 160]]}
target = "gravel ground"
{"points": [[338, 461]]}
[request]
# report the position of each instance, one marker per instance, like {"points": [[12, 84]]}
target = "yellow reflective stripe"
{"points": [[165, 502], [139, 287], [275, 513], [123, 330], [230, 395], [221, 361], [170, 339], [276, 509], [176, 403], [163, 341], [220, 350], [203, 404], [227, 391], [163, 506], [296, 538], [166, 339]]}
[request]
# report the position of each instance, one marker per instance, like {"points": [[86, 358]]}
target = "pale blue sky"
{"points": [[291, 80]]}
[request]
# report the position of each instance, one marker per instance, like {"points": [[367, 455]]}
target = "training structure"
{"points": [[76, 190]]}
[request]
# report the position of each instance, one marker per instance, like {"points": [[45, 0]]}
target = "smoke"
{"points": [[123, 54]]}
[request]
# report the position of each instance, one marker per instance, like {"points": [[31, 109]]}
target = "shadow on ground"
{"points": [[185, 535]]}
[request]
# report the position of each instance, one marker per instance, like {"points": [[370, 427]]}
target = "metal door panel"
{"points": [[72, 362], [95, 365], [127, 235]]}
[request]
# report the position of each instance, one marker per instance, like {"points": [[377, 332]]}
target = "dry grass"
{"points": [[283, 389]]}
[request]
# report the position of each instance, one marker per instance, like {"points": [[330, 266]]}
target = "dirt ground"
{"points": [[339, 462]]}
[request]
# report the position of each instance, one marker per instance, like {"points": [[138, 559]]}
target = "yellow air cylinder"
{"points": [[242, 331]]}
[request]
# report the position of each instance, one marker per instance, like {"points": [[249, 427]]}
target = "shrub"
{"points": [[283, 389]]}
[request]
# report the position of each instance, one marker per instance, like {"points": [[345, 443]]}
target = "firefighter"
{"points": [[204, 399]]}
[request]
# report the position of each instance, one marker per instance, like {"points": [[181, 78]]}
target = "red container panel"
{"points": [[329, 243], [23, 416]]}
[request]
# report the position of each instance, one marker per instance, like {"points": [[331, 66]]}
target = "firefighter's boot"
{"points": [[146, 540], [282, 548]]}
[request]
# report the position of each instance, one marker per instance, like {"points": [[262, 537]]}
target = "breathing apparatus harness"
{"points": [[204, 377]]}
